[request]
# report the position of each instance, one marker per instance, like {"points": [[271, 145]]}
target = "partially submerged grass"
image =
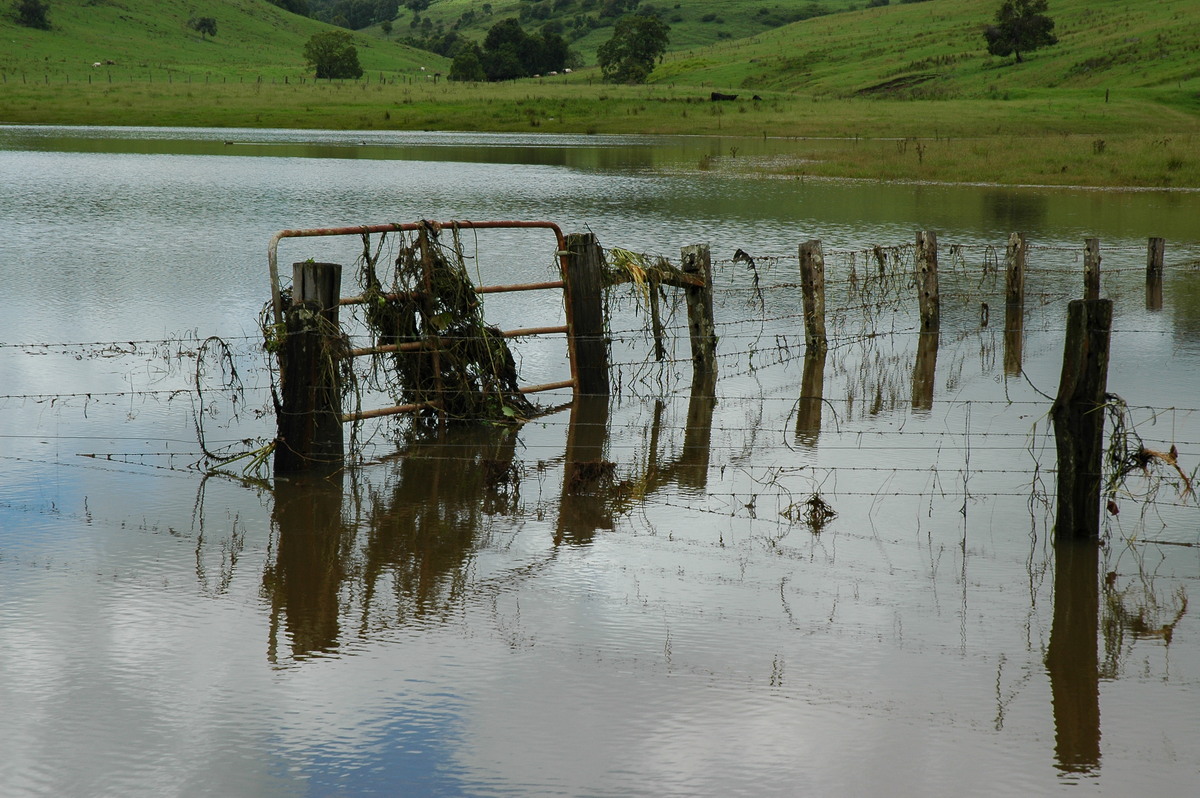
{"points": [[1043, 138]]}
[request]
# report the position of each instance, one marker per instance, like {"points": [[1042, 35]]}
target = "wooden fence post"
{"points": [[1091, 269], [927, 281], [1014, 303], [1154, 273], [1014, 270], [1078, 416], [309, 419], [587, 341], [702, 327], [812, 283], [925, 372]]}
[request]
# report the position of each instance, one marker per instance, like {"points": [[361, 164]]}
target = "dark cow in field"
{"points": [[718, 97]]}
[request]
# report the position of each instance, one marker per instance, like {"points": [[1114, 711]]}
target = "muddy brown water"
{"points": [[468, 611]]}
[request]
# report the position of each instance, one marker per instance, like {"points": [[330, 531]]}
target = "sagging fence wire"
{"points": [[876, 284]]}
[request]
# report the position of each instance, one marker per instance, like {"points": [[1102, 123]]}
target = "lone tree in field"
{"points": [[32, 14], [637, 42], [1021, 27], [333, 55], [205, 26]]}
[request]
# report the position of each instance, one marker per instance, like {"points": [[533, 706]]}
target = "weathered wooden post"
{"points": [[696, 260], [812, 284], [1154, 273], [1091, 269], [310, 413], [1078, 417], [924, 372], [587, 341], [927, 281], [1014, 270], [1014, 303]]}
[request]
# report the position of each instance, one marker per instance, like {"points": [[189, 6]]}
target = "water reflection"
{"points": [[1014, 338], [399, 552], [305, 579], [812, 397], [1072, 659], [1014, 209], [585, 506]]}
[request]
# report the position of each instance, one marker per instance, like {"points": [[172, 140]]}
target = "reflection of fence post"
{"points": [[702, 327], [585, 314], [1154, 273], [1072, 660], [584, 505], [310, 416], [927, 281], [812, 397], [1091, 268], [812, 283], [1078, 417], [1014, 270]]}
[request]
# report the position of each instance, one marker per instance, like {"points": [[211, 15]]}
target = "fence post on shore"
{"points": [[1091, 268], [812, 283], [927, 281], [310, 416], [702, 327], [585, 314], [1154, 273], [1014, 270], [1078, 417]]}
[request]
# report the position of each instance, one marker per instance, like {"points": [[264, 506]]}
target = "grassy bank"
{"points": [[1048, 137], [901, 92]]}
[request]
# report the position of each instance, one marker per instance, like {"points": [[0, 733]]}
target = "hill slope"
{"points": [[936, 50], [253, 38]]}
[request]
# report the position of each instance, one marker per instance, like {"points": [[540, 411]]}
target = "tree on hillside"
{"points": [[1022, 26], [637, 42], [205, 26], [467, 65], [33, 14], [333, 55]]}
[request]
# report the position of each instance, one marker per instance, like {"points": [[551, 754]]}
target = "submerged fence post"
{"points": [[1014, 270], [1154, 273], [702, 327], [310, 416], [1078, 416], [1014, 302], [812, 283], [927, 281], [1091, 268], [585, 314]]}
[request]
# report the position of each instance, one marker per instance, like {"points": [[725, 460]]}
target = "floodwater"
{"points": [[466, 611]]}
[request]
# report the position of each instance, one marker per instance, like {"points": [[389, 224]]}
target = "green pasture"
{"points": [[902, 92]]}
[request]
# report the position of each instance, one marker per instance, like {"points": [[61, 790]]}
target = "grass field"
{"points": [[903, 92]]}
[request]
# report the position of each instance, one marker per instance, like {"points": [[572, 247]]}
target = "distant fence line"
{"points": [[149, 77]]}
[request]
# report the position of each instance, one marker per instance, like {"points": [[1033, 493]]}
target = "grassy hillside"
{"points": [[936, 50], [586, 26], [254, 39]]}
